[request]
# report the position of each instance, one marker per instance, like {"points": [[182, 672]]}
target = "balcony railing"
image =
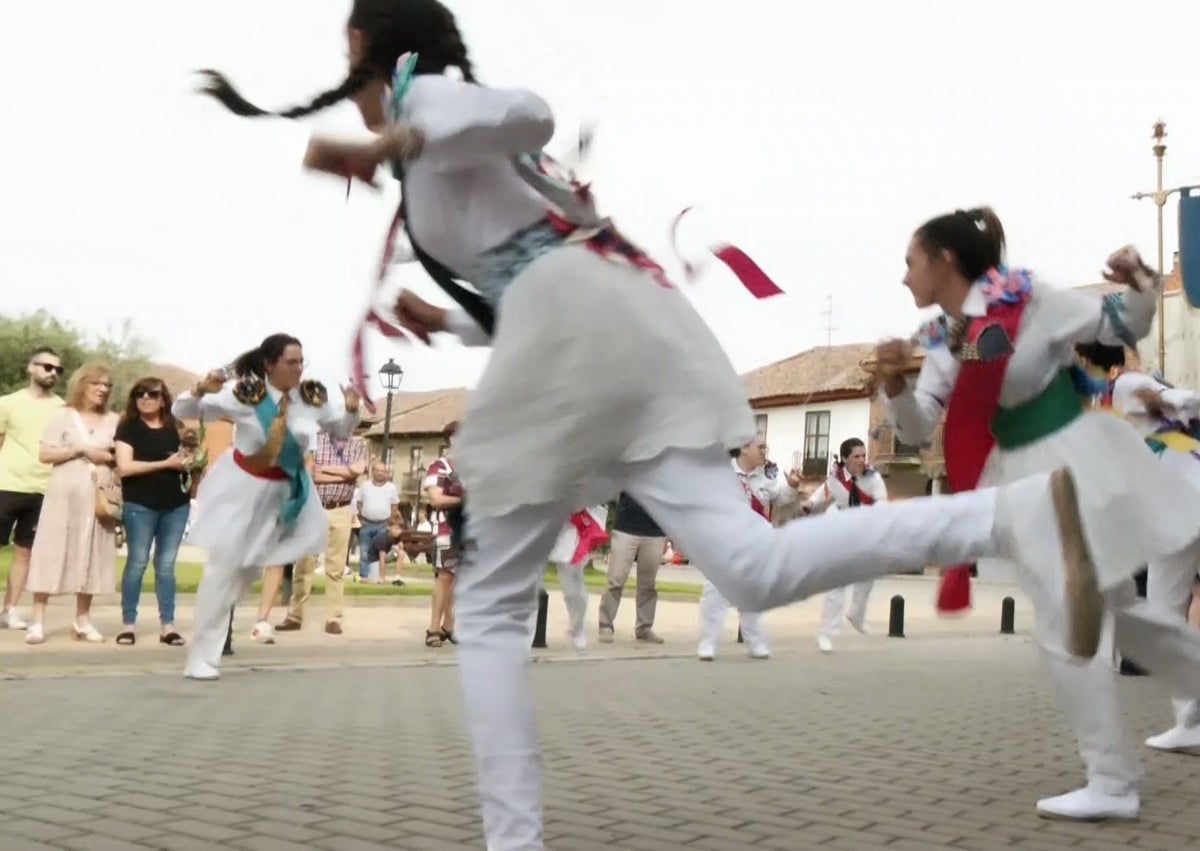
{"points": [[886, 447]]}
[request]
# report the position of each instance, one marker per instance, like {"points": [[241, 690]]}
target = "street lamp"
{"points": [[1160, 196], [391, 375]]}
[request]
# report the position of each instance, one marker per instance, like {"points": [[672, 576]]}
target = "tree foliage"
{"points": [[122, 350]]}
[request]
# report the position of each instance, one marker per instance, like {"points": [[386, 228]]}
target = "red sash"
{"points": [[591, 535], [968, 437], [847, 481]]}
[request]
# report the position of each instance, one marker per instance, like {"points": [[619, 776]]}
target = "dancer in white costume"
{"points": [[762, 491], [852, 483], [563, 300], [997, 364], [569, 556], [1168, 419], [258, 503]]}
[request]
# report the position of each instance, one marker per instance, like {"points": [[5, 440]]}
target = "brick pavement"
{"points": [[929, 744]]}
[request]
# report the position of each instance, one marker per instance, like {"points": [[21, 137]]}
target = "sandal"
{"points": [[433, 639], [172, 638], [447, 635], [126, 637]]}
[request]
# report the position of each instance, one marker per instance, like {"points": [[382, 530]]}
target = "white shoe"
{"points": [[606, 636], [579, 642], [1088, 804], [263, 633], [11, 619], [87, 633], [824, 643], [35, 635], [759, 653], [706, 653], [859, 626], [200, 671], [1177, 740]]}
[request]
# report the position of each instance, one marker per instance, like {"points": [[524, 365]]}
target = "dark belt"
{"points": [[330, 506]]}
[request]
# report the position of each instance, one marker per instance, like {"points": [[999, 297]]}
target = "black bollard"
{"points": [[1008, 614], [539, 632], [740, 639], [896, 618], [228, 649]]}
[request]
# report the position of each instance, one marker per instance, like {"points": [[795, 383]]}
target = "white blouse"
{"points": [[1054, 320], [463, 194], [304, 421], [1178, 403], [834, 492]]}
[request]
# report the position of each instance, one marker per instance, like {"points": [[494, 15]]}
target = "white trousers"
{"points": [[575, 596], [834, 607], [1156, 637], [713, 608], [698, 502], [220, 587]]}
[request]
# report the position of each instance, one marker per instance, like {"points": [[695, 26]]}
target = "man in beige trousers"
{"points": [[337, 467], [635, 537]]}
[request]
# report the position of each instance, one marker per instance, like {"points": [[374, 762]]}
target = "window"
{"points": [[816, 443], [760, 424], [414, 460], [443, 449]]}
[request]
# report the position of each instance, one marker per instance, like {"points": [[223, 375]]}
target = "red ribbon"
{"points": [[751, 275]]}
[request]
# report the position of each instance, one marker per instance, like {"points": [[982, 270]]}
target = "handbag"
{"points": [[109, 500]]}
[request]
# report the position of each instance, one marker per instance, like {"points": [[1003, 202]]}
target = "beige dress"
{"points": [[73, 552]]}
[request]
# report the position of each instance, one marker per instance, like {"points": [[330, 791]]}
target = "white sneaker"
{"points": [[706, 653], [1178, 739], [824, 643], [263, 633], [759, 653], [859, 626], [579, 642], [606, 636], [200, 671], [35, 635], [11, 619], [1088, 804]]}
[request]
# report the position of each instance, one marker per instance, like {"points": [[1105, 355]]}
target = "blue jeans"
{"points": [[164, 529], [365, 536]]}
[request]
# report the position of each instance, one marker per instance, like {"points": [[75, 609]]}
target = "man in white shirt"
{"points": [[376, 501]]}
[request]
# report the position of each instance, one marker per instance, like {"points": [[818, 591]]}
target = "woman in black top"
{"points": [[151, 465]]}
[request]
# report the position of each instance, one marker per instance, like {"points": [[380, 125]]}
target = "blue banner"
{"points": [[1189, 243]]}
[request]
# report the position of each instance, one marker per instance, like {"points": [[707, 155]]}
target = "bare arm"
{"points": [[439, 499]]}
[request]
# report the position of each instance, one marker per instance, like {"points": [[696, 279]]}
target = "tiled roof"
{"points": [[424, 412], [819, 371]]}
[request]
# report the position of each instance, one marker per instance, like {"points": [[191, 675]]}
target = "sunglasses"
{"points": [[49, 367], [147, 394]]}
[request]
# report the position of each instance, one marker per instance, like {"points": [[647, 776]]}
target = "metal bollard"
{"points": [[1008, 614], [896, 618], [539, 632], [227, 650], [740, 639]]}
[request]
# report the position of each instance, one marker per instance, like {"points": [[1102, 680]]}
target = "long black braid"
{"points": [[392, 28]]}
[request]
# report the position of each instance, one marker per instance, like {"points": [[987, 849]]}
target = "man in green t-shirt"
{"points": [[24, 416]]}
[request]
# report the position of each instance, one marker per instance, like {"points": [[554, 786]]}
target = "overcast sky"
{"points": [[815, 135]]}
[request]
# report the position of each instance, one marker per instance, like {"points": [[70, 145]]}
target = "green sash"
{"points": [[291, 461], [1052, 409]]}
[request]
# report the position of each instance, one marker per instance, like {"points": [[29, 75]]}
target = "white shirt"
{"points": [[767, 491], [463, 194], [375, 502], [1054, 320], [1178, 403], [836, 493], [303, 420]]}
